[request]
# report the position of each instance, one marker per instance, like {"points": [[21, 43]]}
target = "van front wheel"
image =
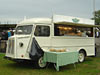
{"points": [[81, 56], [40, 63]]}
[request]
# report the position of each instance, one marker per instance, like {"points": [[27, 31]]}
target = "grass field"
{"points": [[90, 67]]}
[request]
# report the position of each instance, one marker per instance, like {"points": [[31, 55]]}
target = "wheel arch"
{"points": [[83, 50]]}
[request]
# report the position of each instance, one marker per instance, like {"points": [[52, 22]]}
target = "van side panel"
{"points": [[74, 44]]}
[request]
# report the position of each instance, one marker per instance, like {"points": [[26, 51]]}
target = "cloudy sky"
{"points": [[45, 8]]}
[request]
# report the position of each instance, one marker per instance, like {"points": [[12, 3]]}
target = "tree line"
{"points": [[96, 17]]}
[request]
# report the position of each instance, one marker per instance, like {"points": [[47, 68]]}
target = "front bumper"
{"points": [[9, 58], [12, 59]]}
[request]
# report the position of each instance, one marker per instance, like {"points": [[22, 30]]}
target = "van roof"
{"points": [[36, 20], [60, 19]]}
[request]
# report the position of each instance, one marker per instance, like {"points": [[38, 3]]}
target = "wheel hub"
{"points": [[41, 62]]}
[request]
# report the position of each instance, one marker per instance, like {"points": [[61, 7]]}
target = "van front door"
{"points": [[42, 36], [23, 37]]}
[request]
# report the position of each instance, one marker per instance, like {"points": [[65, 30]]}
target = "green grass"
{"points": [[90, 67]]}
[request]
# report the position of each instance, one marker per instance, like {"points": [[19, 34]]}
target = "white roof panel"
{"points": [[36, 20]]}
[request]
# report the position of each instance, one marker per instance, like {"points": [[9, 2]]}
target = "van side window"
{"points": [[42, 31], [78, 31]]}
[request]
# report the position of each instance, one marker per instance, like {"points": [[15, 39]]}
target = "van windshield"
{"points": [[26, 29]]}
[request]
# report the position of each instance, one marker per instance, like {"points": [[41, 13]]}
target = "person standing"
{"points": [[3, 35], [9, 33]]}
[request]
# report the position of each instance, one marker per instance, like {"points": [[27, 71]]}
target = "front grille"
{"points": [[11, 46]]}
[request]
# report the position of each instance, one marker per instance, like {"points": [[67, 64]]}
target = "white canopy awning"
{"points": [[77, 24], [75, 21]]}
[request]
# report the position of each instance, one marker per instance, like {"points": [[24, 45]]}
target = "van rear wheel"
{"points": [[40, 63], [81, 56]]}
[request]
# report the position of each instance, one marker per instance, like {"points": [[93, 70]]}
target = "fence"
{"points": [[3, 46], [10, 20]]}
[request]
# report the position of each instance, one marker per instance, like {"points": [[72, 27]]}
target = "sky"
{"points": [[47, 8]]}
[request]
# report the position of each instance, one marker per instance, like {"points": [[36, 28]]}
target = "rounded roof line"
{"points": [[36, 20]]}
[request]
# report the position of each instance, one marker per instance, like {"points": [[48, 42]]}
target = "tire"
{"points": [[40, 64], [81, 56]]}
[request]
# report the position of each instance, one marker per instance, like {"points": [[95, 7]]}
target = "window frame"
{"points": [[42, 25], [22, 26], [79, 27]]}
